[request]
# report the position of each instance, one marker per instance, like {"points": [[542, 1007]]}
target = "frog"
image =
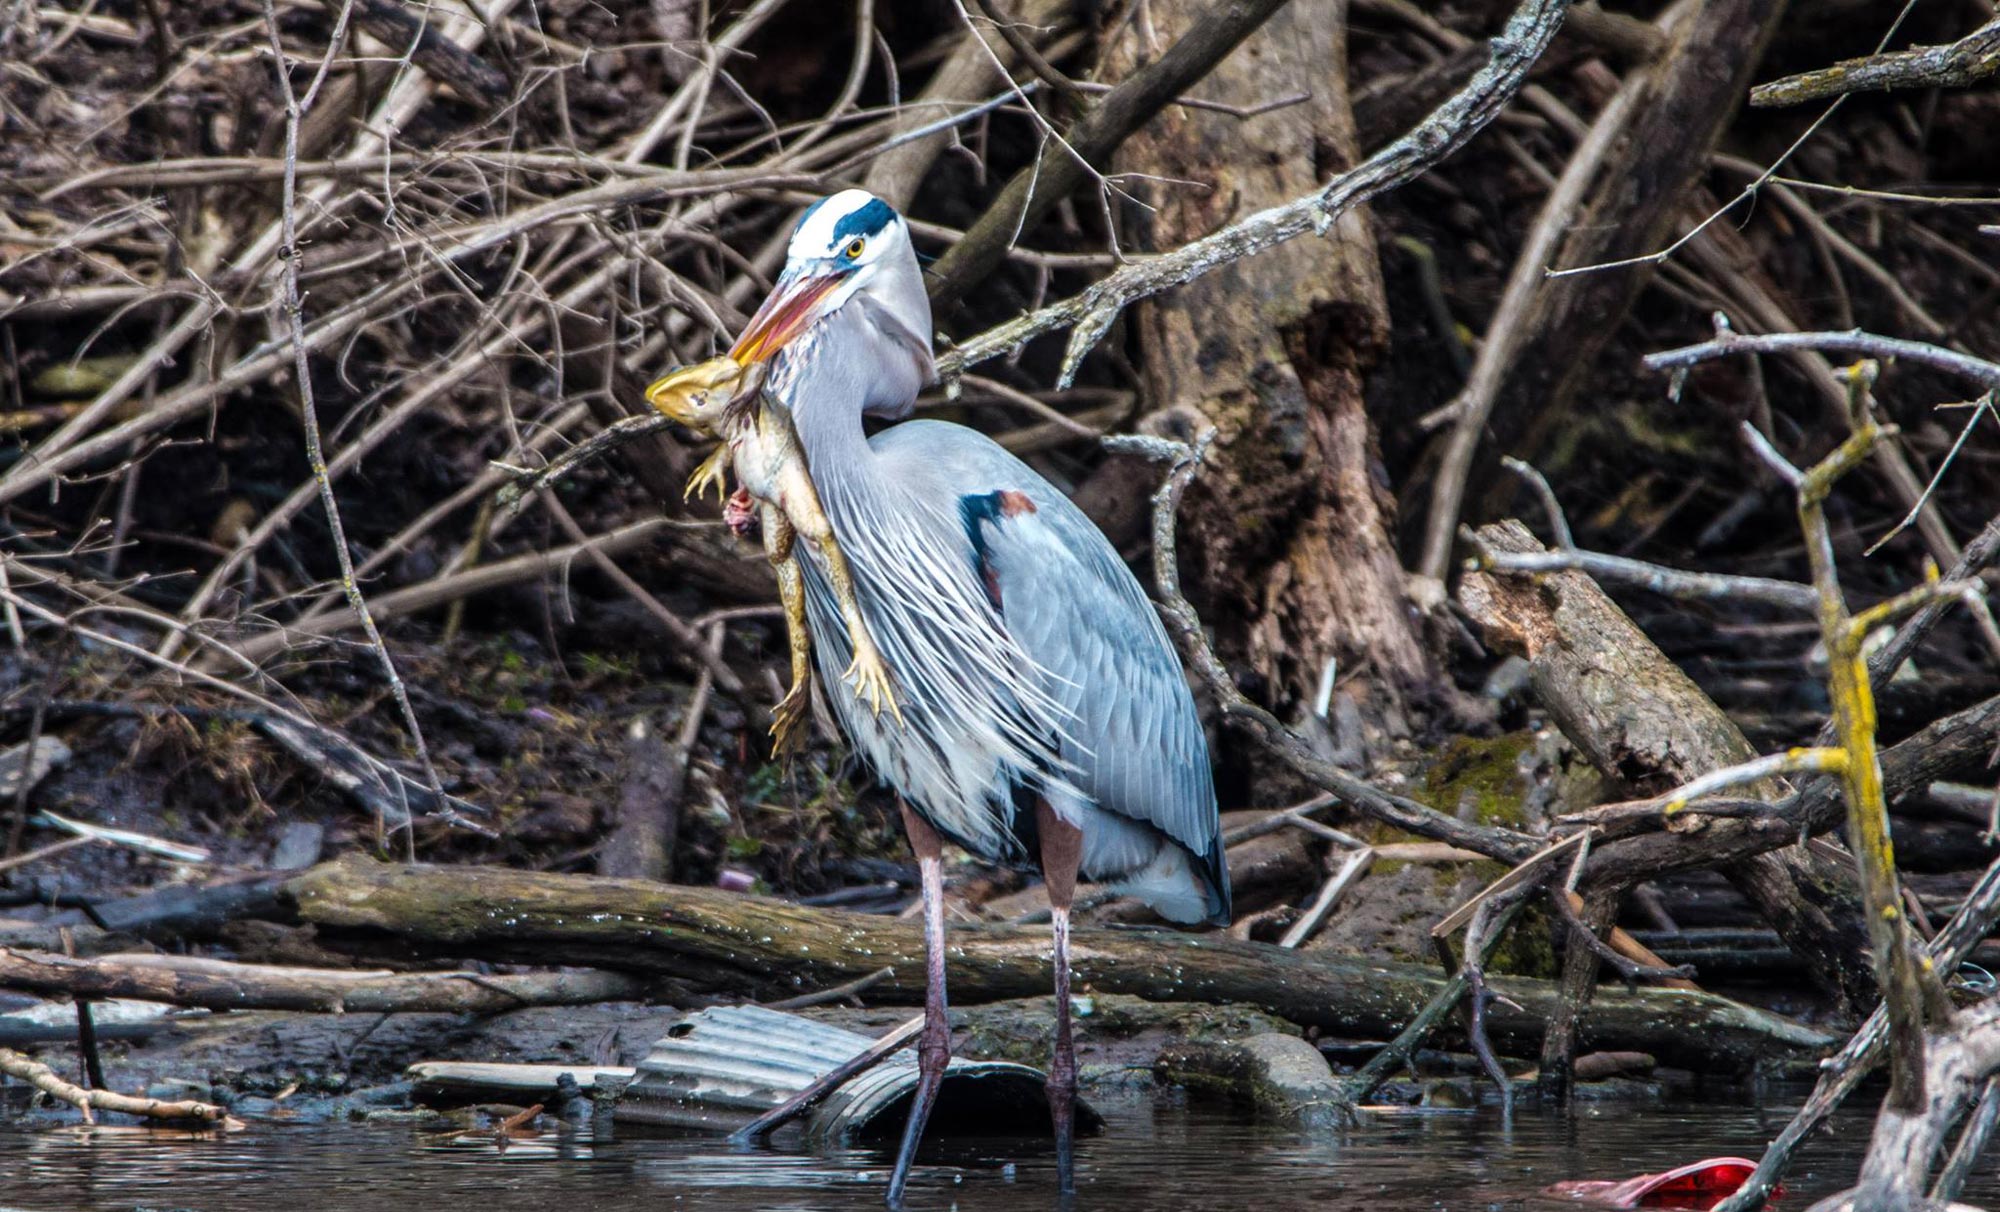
{"points": [[724, 399]]}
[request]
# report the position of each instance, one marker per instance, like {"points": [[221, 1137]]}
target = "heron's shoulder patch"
{"points": [[980, 510], [981, 507]]}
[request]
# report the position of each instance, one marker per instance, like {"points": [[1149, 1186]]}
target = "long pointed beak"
{"points": [[791, 308]]}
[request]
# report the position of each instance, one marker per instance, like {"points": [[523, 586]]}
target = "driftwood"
{"points": [[748, 945], [1644, 723], [45, 1079], [221, 985]]}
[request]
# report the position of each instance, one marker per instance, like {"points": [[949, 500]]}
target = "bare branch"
{"points": [[294, 310], [1958, 64], [1854, 341], [1443, 132]]}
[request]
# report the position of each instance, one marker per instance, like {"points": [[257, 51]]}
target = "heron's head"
{"points": [[847, 245]]}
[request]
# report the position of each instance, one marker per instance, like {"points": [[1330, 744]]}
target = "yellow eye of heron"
{"points": [[854, 247]]}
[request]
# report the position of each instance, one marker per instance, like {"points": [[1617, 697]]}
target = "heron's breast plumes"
{"points": [[980, 716]]}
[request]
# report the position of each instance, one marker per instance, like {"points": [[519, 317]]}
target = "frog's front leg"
{"points": [[867, 673], [712, 471], [791, 710]]}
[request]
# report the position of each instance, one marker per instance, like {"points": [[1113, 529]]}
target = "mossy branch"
{"points": [[1910, 986]]}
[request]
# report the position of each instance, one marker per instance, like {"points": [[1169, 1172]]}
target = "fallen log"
{"points": [[1646, 725], [752, 946], [170, 915], [221, 985]]}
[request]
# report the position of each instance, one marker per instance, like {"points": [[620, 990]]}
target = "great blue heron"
{"points": [[1044, 713]]}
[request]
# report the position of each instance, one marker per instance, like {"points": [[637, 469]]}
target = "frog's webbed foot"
{"points": [[786, 717], [712, 471], [870, 679]]}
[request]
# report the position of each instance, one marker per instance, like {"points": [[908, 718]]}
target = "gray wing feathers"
{"points": [[1135, 740]]}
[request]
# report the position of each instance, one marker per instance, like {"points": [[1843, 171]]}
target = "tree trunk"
{"points": [[1643, 188], [720, 941], [1286, 537]]}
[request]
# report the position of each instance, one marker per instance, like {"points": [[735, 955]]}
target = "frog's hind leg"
{"points": [[867, 673], [791, 710]]}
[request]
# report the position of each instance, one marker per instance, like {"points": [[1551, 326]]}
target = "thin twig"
{"points": [[837, 993], [1749, 191], [294, 309]]}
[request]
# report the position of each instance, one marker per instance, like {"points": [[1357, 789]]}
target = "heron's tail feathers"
{"points": [[1178, 888]]}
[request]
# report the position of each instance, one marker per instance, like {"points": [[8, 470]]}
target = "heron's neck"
{"points": [[833, 375], [830, 432]]}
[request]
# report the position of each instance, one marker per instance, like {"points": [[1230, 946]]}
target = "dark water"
{"points": [[1149, 1158]]}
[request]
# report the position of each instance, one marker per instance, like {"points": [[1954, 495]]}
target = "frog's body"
{"points": [[721, 398]]}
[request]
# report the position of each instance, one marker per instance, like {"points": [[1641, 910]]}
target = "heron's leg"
{"points": [[1062, 853], [934, 1045], [867, 672], [783, 554]]}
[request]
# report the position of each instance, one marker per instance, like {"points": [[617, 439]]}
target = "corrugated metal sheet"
{"points": [[719, 1069]]}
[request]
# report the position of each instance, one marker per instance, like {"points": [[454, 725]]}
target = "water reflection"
{"points": [[1150, 1157]]}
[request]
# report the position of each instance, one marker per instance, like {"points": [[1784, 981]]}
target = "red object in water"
{"points": [[1699, 1185]]}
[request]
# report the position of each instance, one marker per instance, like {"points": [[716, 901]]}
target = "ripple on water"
{"points": [[1415, 1163]]}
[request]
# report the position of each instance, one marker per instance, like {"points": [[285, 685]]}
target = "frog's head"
{"points": [[696, 395]]}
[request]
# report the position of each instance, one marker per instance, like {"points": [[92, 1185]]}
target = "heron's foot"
{"points": [[740, 513], [870, 679], [786, 718], [712, 471]]}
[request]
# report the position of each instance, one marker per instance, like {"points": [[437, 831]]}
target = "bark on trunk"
{"points": [[746, 945], [1287, 537]]}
